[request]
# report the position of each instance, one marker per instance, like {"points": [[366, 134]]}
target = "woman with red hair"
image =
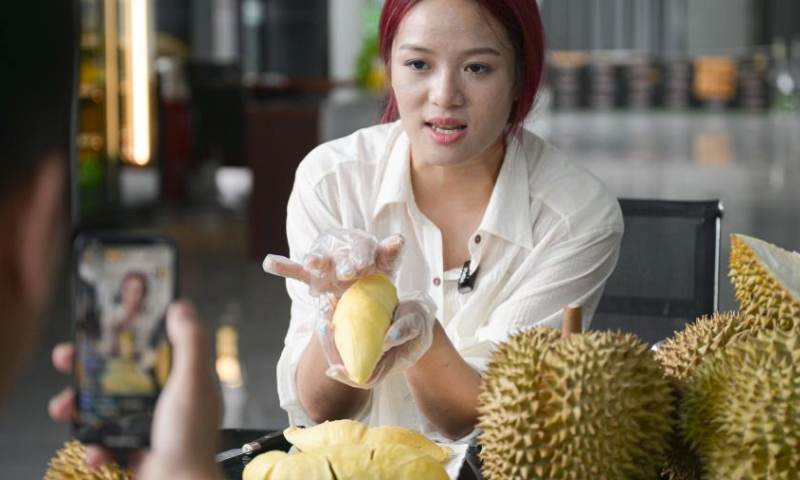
{"points": [[498, 230]]}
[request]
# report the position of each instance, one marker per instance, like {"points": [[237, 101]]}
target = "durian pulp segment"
{"points": [[337, 432], [360, 322], [388, 435], [261, 467], [355, 462]]}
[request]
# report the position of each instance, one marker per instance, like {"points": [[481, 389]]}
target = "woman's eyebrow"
{"points": [[471, 51]]}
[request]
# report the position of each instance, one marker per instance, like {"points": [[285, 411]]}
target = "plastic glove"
{"points": [[338, 258], [408, 338]]}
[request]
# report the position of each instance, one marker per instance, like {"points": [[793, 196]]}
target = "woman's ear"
{"points": [[31, 219]]}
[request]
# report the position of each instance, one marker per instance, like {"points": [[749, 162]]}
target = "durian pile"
{"points": [[70, 464], [720, 400], [347, 449]]}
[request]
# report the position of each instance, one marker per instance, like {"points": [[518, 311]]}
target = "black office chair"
{"points": [[668, 269]]}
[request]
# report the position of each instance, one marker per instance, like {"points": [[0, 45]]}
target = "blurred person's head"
{"points": [[132, 291], [464, 74], [37, 55]]}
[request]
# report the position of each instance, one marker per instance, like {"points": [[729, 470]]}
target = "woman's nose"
{"points": [[446, 91]]}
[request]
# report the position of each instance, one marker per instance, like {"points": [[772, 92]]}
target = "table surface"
{"points": [[234, 438]]}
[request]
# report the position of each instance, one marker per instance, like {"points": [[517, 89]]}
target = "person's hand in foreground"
{"points": [[184, 432]]}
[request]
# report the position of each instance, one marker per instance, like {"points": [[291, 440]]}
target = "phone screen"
{"points": [[123, 287]]}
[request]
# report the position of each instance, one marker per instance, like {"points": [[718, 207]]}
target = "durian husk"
{"points": [[592, 406], [766, 279], [681, 354], [740, 410], [360, 322], [70, 464]]}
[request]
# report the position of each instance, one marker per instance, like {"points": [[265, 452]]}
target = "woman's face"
{"points": [[452, 73], [133, 293]]}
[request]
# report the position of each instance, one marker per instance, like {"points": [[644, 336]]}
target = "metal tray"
{"points": [[233, 438]]}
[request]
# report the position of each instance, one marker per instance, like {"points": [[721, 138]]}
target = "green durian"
{"points": [[740, 410], [766, 279], [592, 406]]}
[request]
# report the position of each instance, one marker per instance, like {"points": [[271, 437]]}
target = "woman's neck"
{"points": [[469, 185]]}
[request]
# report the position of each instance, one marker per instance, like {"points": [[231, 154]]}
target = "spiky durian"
{"points": [[589, 406], [682, 354], [740, 410], [766, 279], [70, 464]]}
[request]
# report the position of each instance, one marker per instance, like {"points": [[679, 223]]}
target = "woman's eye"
{"points": [[416, 64], [477, 68]]}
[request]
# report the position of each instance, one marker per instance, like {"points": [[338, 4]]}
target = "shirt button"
{"points": [[477, 239], [437, 281]]}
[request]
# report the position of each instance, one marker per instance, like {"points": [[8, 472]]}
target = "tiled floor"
{"points": [[750, 162]]}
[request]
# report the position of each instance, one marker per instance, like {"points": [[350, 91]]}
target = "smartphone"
{"points": [[122, 286]]}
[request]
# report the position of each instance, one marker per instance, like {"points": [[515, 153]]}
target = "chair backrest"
{"points": [[668, 269]]}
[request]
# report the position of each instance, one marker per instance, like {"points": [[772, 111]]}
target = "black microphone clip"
{"points": [[466, 282]]}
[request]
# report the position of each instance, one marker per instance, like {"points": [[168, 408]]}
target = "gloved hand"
{"points": [[409, 336], [338, 258]]}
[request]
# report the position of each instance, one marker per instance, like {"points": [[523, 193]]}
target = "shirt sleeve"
{"points": [[570, 272], [309, 213]]}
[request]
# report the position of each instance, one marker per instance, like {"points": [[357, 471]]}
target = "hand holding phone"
{"points": [[185, 422]]}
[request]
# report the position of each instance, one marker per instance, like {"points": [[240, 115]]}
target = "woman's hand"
{"points": [[338, 258], [408, 338], [184, 430]]}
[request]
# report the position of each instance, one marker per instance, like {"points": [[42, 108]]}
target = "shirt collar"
{"points": [[396, 183], [508, 214]]}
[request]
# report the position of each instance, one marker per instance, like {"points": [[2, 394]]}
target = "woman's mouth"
{"points": [[445, 133]]}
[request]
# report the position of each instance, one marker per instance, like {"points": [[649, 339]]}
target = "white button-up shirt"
{"points": [[549, 238]]}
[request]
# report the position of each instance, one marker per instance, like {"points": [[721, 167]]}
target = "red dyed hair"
{"points": [[523, 26]]}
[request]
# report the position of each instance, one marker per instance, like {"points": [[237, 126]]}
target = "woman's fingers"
{"points": [[63, 357], [284, 267], [389, 251], [62, 406]]}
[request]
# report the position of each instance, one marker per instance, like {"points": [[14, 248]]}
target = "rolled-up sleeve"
{"points": [[307, 216]]}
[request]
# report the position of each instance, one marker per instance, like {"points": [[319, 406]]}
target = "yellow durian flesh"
{"points": [[360, 322], [261, 467], [766, 278], [387, 435], [353, 462], [311, 465], [337, 432]]}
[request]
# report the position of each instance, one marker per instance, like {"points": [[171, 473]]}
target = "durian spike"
{"points": [[571, 321]]}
